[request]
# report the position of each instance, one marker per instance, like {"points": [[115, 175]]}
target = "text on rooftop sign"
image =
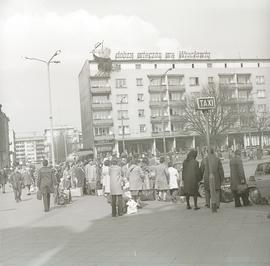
{"points": [[156, 55], [205, 103]]}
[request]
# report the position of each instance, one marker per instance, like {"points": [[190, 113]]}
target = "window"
{"points": [[120, 83], [102, 115], [173, 65], [139, 82], [259, 80], [116, 67], [159, 127], [210, 80], [157, 81], [227, 79], [156, 97], [155, 66], [124, 129], [140, 97], [192, 65], [122, 114], [138, 66], [157, 112], [176, 127], [243, 79], [103, 131], [141, 112], [142, 128], [175, 81], [225, 65], [194, 81], [241, 64], [99, 83], [209, 65], [261, 93], [243, 94], [122, 98], [258, 64], [261, 108], [175, 96]]}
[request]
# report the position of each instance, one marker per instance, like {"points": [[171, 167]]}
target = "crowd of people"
{"points": [[131, 178]]}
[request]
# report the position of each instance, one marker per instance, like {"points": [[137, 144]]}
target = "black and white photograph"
{"points": [[134, 133]]}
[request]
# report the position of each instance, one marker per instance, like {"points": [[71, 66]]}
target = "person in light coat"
{"points": [[162, 179], [91, 178], [106, 177], [16, 179], [27, 179], [173, 180], [116, 184], [135, 177]]}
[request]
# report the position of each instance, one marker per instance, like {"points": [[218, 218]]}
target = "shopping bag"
{"points": [[39, 195], [241, 188]]}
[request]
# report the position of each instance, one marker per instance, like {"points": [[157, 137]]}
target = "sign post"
{"points": [[204, 104]]}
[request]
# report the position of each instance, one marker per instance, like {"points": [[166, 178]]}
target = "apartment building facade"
{"points": [[4, 139], [30, 147], [140, 102]]}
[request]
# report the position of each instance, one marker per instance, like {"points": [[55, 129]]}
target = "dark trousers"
{"points": [[46, 201], [17, 194], [237, 197], [117, 205]]}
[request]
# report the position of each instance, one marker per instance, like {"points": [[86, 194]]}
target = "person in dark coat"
{"points": [[46, 183], [116, 183], [16, 179], [218, 173], [3, 179], [237, 174], [191, 176]]}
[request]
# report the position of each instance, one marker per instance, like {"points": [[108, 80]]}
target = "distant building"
{"points": [[12, 147], [4, 139], [30, 147], [133, 103], [67, 140]]}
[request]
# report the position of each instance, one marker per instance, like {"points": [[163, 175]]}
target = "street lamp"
{"points": [[168, 108], [122, 122], [50, 95]]}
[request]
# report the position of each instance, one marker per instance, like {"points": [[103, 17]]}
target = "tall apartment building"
{"points": [[130, 101], [30, 147], [4, 139]]}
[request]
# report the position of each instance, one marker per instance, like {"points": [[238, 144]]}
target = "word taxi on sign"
{"points": [[205, 103]]}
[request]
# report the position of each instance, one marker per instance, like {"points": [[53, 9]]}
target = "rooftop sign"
{"points": [[157, 55]]}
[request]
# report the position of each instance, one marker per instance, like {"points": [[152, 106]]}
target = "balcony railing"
{"points": [[158, 103], [158, 119], [157, 88], [104, 105], [177, 88], [98, 122], [177, 103], [244, 86], [105, 137], [161, 134], [227, 86], [101, 89], [177, 118]]}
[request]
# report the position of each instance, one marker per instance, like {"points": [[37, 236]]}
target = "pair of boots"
{"points": [[195, 202]]}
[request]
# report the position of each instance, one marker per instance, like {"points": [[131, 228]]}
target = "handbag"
{"points": [[241, 188], [39, 195]]}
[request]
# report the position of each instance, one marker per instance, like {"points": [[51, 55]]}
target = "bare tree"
{"points": [[220, 119]]}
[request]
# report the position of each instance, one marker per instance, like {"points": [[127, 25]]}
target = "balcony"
{"points": [[227, 86], [98, 122], [177, 103], [157, 88], [161, 104], [177, 118], [105, 138], [102, 106], [159, 119], [245, 100], [101, 89], [161, 134], [244, 86], [177, 88]]}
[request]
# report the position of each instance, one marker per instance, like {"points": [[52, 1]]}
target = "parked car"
{"points": [[259, 184]]}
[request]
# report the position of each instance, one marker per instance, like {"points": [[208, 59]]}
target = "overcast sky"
{"points": [[37, 28]]}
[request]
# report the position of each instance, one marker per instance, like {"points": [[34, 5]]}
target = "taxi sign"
{"points": [[205, 103]]}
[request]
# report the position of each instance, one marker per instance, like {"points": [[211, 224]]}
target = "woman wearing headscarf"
{"points": [[191, 176]]}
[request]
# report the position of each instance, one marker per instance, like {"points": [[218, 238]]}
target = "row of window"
{"points": [[117, 66], [193, 81]]}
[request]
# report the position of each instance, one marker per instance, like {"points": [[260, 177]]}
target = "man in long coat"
{"points": [[116, 183], [46, 183], [237, 174], [91, 178], [217, 171], [191, 176]]}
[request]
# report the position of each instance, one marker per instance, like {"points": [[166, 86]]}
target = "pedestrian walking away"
{"points": [[16, 179], [46, 183], [162, 179]]}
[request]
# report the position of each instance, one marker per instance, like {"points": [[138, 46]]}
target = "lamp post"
{"points": [[168, 108], [122, 122], [50, 95]]}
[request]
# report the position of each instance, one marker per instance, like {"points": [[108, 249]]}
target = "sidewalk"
{"points": [[84, 233]]}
